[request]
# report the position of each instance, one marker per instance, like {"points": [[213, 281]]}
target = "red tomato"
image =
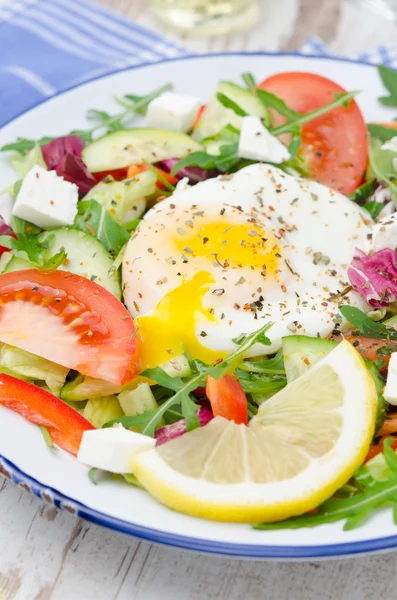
{"points": [[65, 425], [367, 347], [227, 399], [5, 230], [334, 146], [117, 174], [70, 320]]}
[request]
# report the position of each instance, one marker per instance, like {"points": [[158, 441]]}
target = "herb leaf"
{"points": [[389, 79], [228, 103], [269, 100], [249, 81], [298, 120], [374, 208], [364, 192], [381, 164], [381, 133], [93, 218], [21, 145], [365, 325]]}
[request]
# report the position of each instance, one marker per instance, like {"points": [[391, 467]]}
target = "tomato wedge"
{"points": [[334, 146], [65, 425], [227, 399], [70, 320]]}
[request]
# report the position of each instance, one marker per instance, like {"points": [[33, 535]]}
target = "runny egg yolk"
{"points": [[233, 245], [170, 330]]}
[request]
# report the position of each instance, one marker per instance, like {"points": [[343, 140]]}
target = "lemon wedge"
{"points": [[304, 443]]}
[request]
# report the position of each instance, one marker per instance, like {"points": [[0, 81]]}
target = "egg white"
{"points": [[316, 228]]}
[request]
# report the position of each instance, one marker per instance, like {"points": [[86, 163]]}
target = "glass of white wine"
{"points": [[207, 17]]}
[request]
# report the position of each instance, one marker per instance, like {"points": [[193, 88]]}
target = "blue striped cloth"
{"points": [[47, 46]]}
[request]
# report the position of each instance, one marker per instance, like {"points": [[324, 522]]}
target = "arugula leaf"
{"points": [[364, 192], [374, 208], [365, 325], [260, 384], [381, 164], [249, 81], [270, 366], [389, 79], [104, 121], [22, 144], [295, 142], [354, 509], [269, 100], [300, 120], [148, 421], [245, 342], [21, 227], [93, 218], [228, 103], [224, 161], [382, 133]]}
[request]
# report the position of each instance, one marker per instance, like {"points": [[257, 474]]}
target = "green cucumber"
{"points": [[301, 352], [86, 388], [85, 256], [18, 264], [137, 401], [123, 148], [216, 116]]}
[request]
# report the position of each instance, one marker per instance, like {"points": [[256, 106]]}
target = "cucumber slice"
{"points": [[124, 198], [216, 116], [18, 264], [137, 401], [86, 388], [123, 148], [301, 352], [85, 256]]}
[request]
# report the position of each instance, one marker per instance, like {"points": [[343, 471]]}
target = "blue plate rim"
{"points": [[253, 551]]}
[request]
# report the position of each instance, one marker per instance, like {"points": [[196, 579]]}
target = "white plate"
{"points": [[56, 476]]}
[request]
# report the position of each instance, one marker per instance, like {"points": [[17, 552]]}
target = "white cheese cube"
{"points": [[384, 233], [390, 144], [112, 449], [390, 391], [46, 200], [173, 111], [257, 143], [6, 206]]}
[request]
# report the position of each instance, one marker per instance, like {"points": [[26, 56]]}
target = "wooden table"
{"points": [[47, 554]]}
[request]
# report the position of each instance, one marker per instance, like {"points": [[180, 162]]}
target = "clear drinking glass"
{"points": [[206, 17]]}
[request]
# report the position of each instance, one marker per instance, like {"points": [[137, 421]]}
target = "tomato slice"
{"points": [[70, 320], [227, 399], [65, 425], [334, 146], [117, 174]]}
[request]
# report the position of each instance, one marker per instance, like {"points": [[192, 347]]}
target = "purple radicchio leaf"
{"points": [[64, 156], [170, 432], [374, 276]]}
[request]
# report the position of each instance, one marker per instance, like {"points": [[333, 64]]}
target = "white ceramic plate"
{"points": [[56, 476]]}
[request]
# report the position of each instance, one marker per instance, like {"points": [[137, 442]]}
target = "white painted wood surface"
{"points": [[46, 554]]}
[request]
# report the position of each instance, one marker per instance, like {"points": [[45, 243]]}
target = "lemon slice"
{"points": [[304, 443]]}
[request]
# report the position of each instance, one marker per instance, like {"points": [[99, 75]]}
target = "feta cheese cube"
{"points": [[46, 200], [390, 391], [173, 111], [6, 206], [257, 143], [384, 233], [112, 449], [390, 144]]}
